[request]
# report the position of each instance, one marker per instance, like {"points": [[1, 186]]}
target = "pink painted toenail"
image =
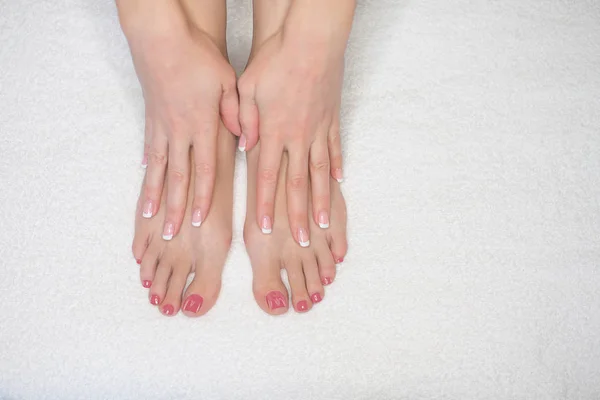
{"points": [[339, 260], [193, 303], [316, 298], [138, 261], [146, 284], [327, 281], [302, 305], [276, 300], [168, 309], [154, 299]]}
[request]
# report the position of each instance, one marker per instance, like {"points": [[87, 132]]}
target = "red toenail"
{"points": [[154, 299], [316, 298], [327, 281], [138, 261], [276, 300], [193, 303], [146, 284], [339, 260], [302, 305], [168, 309]]}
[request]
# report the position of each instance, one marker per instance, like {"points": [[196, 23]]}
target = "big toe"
{"points": [[269, 291], [202, 293]]}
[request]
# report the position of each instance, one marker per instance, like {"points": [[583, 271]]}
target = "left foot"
{"points": [[166, 265]]}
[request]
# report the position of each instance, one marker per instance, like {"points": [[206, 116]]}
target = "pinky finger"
{"points": [[334, 142]]}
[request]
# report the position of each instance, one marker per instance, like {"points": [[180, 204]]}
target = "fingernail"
{"points": [[145, 161], [302, 305], [327, 281], [316, 298], [266, 227], [339, 260], [154, 299], [147, 210], [197, 218], [168, 231], [242, 143], [275, 300], [337, 174], [323, 220], [146, 284], [168, 309], [193, 303], [303, 238]]}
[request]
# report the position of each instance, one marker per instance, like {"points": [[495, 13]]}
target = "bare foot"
{"points": [[308, 269], [166, 265]]}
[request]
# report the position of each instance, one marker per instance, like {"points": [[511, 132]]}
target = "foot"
{"points": [[166, 265], [308, 269]]}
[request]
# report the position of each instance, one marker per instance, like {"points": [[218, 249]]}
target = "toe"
{"points": [[170, 305], [313, 279], [338, 245], [300, 298], [203, 292], [326, 266], [269, 291], [159, 284], [148, 268]]}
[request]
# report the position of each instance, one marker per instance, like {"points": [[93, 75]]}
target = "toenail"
{"points": [[303, 237], [168, 231], [154, 299], [316, 298], [302, 305], [168, 309], [193, 303], [275, 300], [327, 281], [138, 261], [323, 220], [266, 225], [339, 260], [146, 284], [197, 218], [147, 210]]}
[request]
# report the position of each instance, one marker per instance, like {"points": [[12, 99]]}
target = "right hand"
{"points": [[188, 86]]}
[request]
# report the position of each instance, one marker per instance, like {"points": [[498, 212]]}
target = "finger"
{"points": [[205, 159], [297, 193], [230, 104], [155, 174], [319, 181], [147, 136], [249, 118], [335, 147], [178, 180], [269, 162]]}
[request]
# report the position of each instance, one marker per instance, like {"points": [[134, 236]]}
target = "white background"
{"points": [[472, 148]]}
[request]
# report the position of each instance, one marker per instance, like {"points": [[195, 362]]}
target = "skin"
{"points": [[290, 98], [180, 58]]}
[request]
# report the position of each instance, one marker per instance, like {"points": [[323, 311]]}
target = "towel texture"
{"points": [[471, 137]]}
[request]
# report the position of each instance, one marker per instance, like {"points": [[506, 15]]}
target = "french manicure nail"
{"points": [[316, 298], [146, 284], [266, 226], [197, 218], [275, 300], [323, 220], [327, 281], [337, 174], [145, 161], [168, 309], [193, 303], [303, 238], [242, 143], [302, 305], [147, 209], [154, 299], [168, 231]]}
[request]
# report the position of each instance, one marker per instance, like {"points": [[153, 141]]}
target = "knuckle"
{"points": [[268, 176], [320, 165], [297, 183], [245, 87], [204, 169], [177, 176], [334, 136], [157, 158]]}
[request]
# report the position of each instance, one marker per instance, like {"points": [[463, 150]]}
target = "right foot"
{"points": [[308, 269]]}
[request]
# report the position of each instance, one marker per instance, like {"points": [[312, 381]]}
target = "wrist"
{"points": [[148, 18]]}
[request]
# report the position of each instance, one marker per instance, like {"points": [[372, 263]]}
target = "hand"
{"points": [[290, 98], [187, 83]]}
